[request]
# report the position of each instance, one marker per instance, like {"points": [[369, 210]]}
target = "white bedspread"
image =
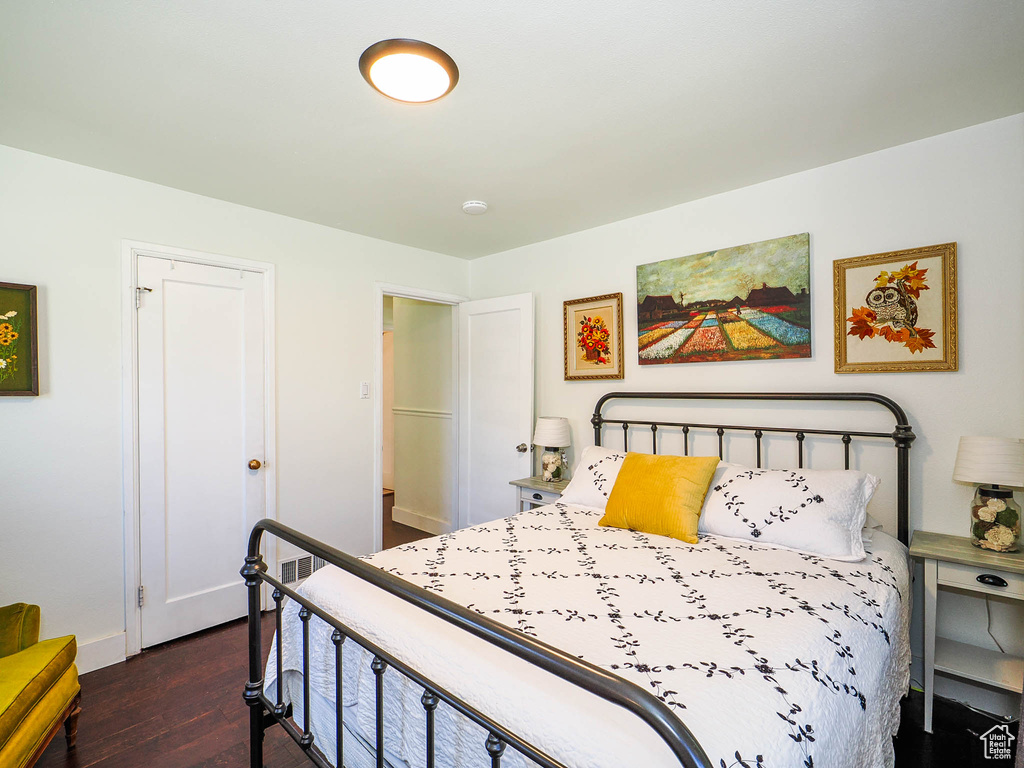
{"points": [[769, 656]]}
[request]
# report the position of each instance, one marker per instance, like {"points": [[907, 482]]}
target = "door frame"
{"points": [[130, 252], [380, 290]]}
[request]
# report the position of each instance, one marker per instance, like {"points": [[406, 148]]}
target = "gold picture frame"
{"points": [[896, 312], [592, 338]]}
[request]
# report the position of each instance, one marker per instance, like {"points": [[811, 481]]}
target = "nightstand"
{"points": [[953, 562], [534, 492]]}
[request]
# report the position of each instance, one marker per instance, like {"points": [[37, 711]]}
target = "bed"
{"points": [[546, 639]]}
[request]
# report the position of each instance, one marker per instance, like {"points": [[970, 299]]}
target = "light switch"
{"points": [[364, 390]]}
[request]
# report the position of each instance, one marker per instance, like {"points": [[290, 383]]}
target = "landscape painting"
{"points": [[748, 302]]}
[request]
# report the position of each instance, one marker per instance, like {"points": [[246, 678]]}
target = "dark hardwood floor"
{"points": [[956, 741], [180, 706]]}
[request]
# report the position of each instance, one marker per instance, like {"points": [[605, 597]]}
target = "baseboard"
{"points": [[101, 652], [420, 521]]}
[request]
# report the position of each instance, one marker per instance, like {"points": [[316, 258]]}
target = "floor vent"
{"points": [[298, 569]]}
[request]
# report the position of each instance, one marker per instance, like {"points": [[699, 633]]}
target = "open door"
{"points": [[495, 404]]}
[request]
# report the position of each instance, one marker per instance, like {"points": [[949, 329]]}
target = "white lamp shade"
{"points": [[552, 432], [990, 460]]}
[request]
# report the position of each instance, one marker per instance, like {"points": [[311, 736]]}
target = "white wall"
{"points": [[424, 441], [61, 227], [966, 186]]}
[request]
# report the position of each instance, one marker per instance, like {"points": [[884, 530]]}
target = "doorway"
{"points": [[418, 461], [491, 405], [199, 436]]}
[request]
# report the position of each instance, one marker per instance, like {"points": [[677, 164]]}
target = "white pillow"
{"points": [[821, 512], [594, 477]]}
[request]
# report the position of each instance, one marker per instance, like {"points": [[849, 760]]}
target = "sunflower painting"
{"points": [[593, 337], [18, 369]]}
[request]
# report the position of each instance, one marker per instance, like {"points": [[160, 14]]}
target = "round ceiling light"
{"points": [[409, 70]]}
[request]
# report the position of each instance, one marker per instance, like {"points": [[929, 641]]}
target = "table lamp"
{"points": [[552, 434], [993, 463]]}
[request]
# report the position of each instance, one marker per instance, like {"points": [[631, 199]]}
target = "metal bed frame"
{"points": [[264, 712]]}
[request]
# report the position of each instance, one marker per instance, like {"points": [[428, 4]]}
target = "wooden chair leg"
{"points": [[71, 722]]}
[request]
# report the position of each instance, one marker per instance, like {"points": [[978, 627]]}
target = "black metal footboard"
{"points": [[265, 712]]}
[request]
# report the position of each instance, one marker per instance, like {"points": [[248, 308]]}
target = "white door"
{"points": [[201, 420], [495, 404]]}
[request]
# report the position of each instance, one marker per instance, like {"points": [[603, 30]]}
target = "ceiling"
{"points": [[568, 113]]}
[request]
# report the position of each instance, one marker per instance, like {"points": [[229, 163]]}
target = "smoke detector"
{"points": [[474, 207]]}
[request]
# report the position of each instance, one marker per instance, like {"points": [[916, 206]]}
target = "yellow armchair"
{"points": [[39, 688]]}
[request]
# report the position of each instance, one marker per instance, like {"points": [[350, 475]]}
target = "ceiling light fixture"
{"points": [[409, 70]]}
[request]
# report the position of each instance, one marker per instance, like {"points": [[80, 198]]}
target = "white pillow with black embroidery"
{"points": [[594, 477], [821, 512]]}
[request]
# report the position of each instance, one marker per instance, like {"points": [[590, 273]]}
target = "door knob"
{"points": [[255, 464], [521, 448]]}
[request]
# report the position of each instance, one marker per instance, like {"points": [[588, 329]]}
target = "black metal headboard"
{"points": [[902, 436]]}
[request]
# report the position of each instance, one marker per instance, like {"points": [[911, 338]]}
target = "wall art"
{"points": [[896, 311], [592, 338], [19, 352], [748, 302]]}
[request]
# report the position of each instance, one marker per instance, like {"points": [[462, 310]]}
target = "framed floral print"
{"points": [[592, 335], [896, 311], [19, 350]]}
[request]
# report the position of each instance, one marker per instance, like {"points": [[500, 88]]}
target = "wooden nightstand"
{"points": [[534, 492], [953, 562]]}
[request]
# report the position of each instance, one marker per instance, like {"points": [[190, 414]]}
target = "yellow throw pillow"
{"points": [[662, 495]]}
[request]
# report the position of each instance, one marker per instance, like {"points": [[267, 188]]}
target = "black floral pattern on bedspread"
{"points": [[690, 600], [734, 501]]}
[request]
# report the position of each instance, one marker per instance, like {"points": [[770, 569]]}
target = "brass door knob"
{"points": [[255, 464], [521, 448]]}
